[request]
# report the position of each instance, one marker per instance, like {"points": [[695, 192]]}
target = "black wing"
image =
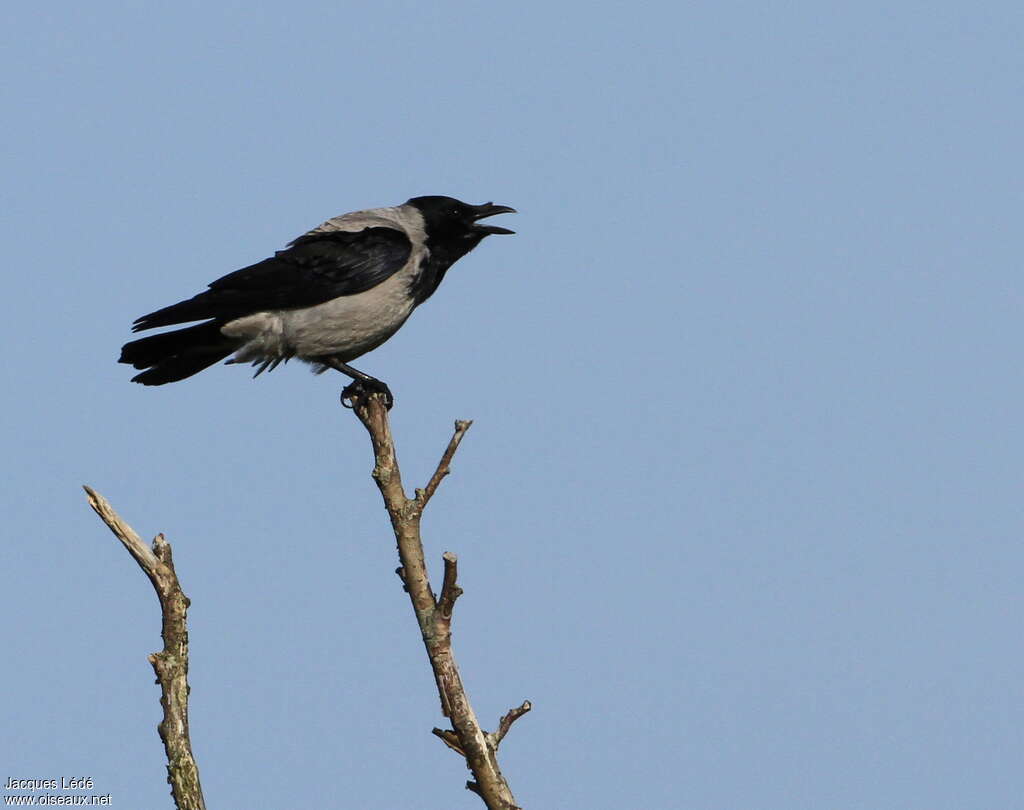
{"points": [[315, 268]]}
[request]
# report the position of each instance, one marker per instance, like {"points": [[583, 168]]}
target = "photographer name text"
{"points": [[64, 783]]}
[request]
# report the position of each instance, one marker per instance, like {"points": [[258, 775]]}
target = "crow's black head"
{"points": [[453, 229], [451, 221]]}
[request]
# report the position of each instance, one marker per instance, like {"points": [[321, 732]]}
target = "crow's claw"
{"points": [[361, 388]]}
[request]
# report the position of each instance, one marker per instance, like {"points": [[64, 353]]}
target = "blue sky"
{"points": [[740, 511]]}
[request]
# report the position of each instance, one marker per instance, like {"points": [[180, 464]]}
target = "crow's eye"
{"points": [[456, 212]]}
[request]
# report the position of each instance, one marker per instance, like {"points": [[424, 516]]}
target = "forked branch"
{"points": [[434, 615], [171, 663]]}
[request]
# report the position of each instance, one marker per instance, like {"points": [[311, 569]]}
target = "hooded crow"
{"points": [[332, 295]]}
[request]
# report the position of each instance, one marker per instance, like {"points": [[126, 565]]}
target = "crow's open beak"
{"points": [[489, 210]]}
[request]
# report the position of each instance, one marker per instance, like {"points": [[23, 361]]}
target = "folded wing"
{"points": [[315, 268]]}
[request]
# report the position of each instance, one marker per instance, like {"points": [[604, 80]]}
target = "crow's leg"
{"points": [[361, 383]]}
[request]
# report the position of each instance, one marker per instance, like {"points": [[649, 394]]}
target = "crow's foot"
{"points": [[361, 388]]}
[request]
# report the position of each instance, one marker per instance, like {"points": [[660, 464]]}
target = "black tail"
{"points": [[173, 356]]}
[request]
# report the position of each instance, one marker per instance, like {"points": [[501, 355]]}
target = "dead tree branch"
{"points": [[171, 663], [434, 615], [506, 722]]}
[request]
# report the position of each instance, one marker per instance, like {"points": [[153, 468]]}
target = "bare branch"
{"points": [[510, 717], [424, 495], [126, 534], [434, 617], [171, 663], [449, 738], [450, 591]]}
